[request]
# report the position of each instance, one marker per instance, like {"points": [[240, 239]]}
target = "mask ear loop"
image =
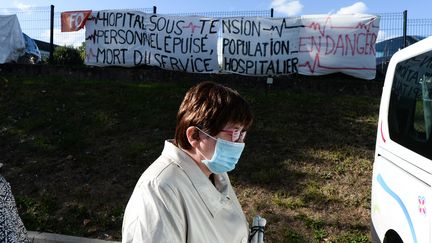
{"points": [[206, 133]]}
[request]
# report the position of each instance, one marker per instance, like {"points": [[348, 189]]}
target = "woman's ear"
{"points": [[192, 135]]}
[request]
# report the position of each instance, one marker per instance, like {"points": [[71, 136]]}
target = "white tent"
{"points": [[12, 43]]}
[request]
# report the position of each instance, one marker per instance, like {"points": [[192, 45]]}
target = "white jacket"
{"points": [[174, 201]]}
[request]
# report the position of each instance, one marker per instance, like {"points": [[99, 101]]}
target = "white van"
{"points": [[401, 203]]}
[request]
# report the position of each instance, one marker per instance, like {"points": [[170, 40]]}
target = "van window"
{"points": [[410, 109]]}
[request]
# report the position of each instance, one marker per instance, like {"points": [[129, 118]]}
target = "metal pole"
{"points": [[405, 14], [271, 12], [154, 9], [51, 48]]}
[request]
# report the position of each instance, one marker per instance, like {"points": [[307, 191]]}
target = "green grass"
{"points": [[73, 151]]}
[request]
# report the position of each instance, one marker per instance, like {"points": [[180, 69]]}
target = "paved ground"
{"points": [[41, 237]]}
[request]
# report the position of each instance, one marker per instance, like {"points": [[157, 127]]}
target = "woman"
{"points": [[186, 195]]}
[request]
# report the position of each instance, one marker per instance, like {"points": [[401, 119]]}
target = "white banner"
{"points": [[338, 43], [130, 38], [309, 45], [258, 46]]}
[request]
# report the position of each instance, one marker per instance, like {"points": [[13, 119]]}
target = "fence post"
{"points": [[154, 9], [271, 12], [405, 19], [51, 47]]}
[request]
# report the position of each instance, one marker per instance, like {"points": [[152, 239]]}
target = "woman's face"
{"points": [[231, 132]]}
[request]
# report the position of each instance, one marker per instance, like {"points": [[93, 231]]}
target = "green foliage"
{"points": [[36, 213], [289, 202], [291, 236], [68, 55], [313, 194], [352, 237], [81, 50], [316, 225]]}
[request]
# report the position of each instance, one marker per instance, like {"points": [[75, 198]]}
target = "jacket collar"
{"points": [[214, 199]]}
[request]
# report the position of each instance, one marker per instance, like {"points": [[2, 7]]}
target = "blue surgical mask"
{"points": [[225, 156]]}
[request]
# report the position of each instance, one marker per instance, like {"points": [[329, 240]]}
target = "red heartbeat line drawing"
{"points": [[192, 26], [328, 22], [316, 63]]}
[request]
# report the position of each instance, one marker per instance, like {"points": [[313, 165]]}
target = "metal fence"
{"points": [[391, 25], [220, 14], [422, 27], [35, 22], [78, 37]]}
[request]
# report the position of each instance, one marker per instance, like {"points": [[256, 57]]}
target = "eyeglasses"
{"points": [[236, 135]]}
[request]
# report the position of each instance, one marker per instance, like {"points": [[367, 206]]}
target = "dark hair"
{"points": [[210, 106]]}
